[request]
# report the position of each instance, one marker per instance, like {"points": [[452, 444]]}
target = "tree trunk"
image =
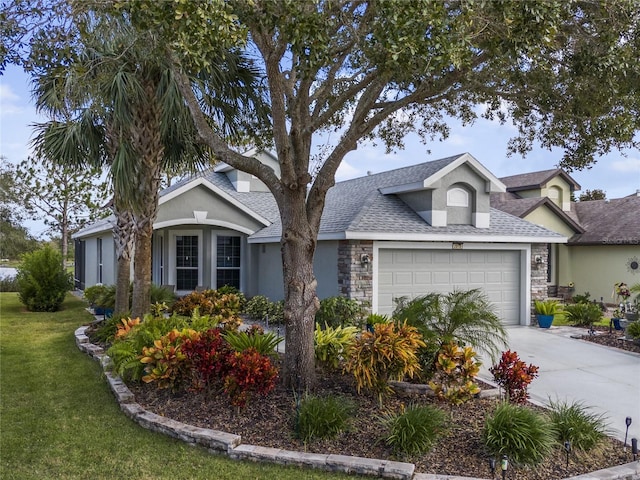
{"points": [[298, 246], [148, 145], [123, 236]]}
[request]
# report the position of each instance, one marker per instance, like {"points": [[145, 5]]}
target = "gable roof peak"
{"points": [[535, 180]]}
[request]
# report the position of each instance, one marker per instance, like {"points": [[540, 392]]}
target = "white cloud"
{"points": [[9, 101], [627, 165], [346, 171]]}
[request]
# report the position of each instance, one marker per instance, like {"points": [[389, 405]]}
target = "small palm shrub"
{"points": [[263, 343], [574, 423], [388, 353], [42, 281], [415, 430], [161, 294], [322, 417], [547, 307], [339, 311], [260, 307], [518, 432], [456, 370], [583, 314], [331, 343], [514, 376], [463, 316]]}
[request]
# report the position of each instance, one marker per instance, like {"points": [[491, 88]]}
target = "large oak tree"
{"points": [[564, 72]]}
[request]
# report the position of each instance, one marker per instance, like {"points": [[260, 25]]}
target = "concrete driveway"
{"points": [[606, 379]]}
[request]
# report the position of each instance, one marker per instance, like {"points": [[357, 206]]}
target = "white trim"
{"points": [[171, 272], [422, 237], [185, 222], [493, 184], [525, 267], [218, 191]]}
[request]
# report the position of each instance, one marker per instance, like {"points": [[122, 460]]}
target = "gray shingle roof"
{"points": [[356, 206], [610, 222], [527, 181]]}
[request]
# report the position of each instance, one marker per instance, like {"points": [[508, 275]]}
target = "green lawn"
{"points": [[58, 418]]}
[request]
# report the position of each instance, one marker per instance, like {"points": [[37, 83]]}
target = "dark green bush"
{"points": [[42, 280], [583, 314], [415, 430], [582, 298], [633, 330], [259, 307], [518, 432], [339, 311], [574, 423], [321, 417]]}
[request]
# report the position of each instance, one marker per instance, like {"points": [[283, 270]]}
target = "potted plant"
{"points": [[615, 319], [545, 311]]}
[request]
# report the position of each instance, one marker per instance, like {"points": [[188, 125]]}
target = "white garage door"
{"points": [[416, 272]]}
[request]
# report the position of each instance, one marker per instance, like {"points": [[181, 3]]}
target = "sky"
{"points": [[617, 174]]}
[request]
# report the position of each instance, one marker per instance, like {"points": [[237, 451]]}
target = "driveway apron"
{"points": [[606, 379]]}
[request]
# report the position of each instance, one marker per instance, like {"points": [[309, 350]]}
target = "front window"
{"points": [[186, 262], [228, 262]]}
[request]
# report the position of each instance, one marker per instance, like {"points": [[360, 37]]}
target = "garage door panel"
{"points": [[414, 272]]}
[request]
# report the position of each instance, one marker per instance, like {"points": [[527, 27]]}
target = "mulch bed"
{"points": [[613, 338], [270, 422]]}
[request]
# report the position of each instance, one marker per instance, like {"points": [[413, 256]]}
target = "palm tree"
{"points": [[117, 104]]}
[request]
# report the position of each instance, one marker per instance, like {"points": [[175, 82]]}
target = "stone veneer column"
{"points": [[538, 274], [355, 278]]}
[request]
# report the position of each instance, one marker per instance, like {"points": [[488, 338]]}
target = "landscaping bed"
{"points": [[269, 421], [614, 339]]}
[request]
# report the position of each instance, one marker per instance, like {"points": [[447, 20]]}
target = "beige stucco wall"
{"points": [[595, 269]]}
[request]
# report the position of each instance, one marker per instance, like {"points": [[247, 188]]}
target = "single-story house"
{"points": [[604, 235], [404, 232]]}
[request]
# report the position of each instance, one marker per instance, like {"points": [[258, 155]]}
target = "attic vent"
{"points": [[457, 197]]}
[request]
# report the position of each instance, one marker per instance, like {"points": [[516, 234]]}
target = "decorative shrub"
{"points": [[92, 293], [211, 302], [165, 364], [523, 435], [263, 343], [259, 307], [322, 417], [584, 298], [456, 370], [387, 353], [228, 289], [583, 314], [339, 311], [42, 280], [249, 373], [331, 344], [415, 430], [106, 329], [633, 330], [547, 307], [514, 376], [574, 423], [208, 359], [125, 326], [161, 294], [465, 317]]}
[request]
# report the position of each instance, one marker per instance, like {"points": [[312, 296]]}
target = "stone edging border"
{"points": [[231, 445]]}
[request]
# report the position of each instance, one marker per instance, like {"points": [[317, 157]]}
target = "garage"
{"points": [[414, 272]]}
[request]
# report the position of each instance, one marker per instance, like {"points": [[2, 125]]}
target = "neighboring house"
{"points": [[405, 232], [604, 235]]}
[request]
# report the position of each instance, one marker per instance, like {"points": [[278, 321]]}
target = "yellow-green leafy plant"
{"points": [[456, 370], [165, 363], [388, 353], [331, 344]]}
